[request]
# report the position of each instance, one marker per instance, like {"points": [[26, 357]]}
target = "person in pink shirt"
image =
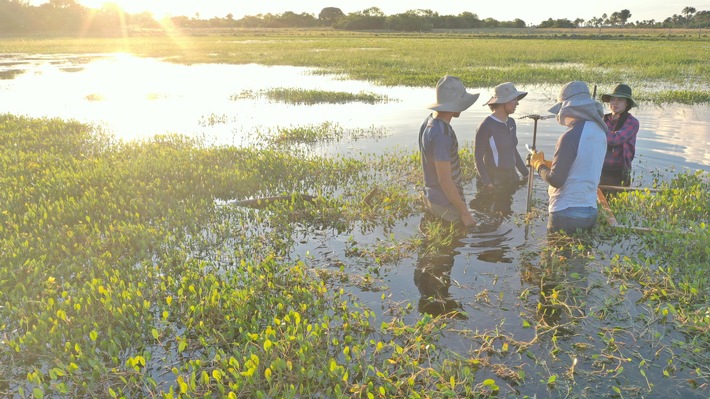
{"points": [[621, 137]]}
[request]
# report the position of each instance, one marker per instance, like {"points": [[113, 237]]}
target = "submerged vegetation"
{"points": [[128, 271]]}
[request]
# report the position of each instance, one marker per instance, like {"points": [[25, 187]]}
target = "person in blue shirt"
{"points": [[575, 169], [496, 153], [438, 145], [496, 140]]}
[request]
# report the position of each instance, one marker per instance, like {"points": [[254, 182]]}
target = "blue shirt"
{"points": [[495, 148], [438, 142]]}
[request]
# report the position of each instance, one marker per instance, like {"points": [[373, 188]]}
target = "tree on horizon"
{"points": [[688, 11]]}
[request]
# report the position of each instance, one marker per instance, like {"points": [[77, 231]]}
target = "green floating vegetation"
{"points": [[326, 132], [311, 97], [126, 272], [672, 262], [121, 276]]}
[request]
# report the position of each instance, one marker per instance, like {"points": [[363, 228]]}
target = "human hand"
{"points": [[537, 159], [467, 220]]}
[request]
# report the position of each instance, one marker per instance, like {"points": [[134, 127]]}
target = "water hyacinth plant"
{"points": [[123, 277], [128, 272]]}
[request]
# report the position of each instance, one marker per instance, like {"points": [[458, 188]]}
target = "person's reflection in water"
{"points": [[496, 201], [432, 275], [561, 279], [492, 206]]}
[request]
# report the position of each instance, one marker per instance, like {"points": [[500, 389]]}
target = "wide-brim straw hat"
{"points": [[451, 95], [620, 91], [505, 93], [573, 94]]}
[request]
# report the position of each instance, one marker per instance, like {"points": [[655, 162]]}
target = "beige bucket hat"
{"points": [[451, 95], [573, 94], [506, 92]]}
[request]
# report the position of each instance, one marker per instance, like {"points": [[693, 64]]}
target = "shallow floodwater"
{"points": [[137, 98], [487, 275]]}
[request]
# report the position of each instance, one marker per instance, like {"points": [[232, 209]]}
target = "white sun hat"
{"points": [[451, 95], [505, 93]]}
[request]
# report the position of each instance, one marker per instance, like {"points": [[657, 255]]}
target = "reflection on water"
{"points": [[136, 98], [432, 277]]}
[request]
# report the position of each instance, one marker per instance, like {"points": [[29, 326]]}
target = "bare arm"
{"points": [[443, 172]]}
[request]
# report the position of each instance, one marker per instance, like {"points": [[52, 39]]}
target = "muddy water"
{"points": [[494, 277]]}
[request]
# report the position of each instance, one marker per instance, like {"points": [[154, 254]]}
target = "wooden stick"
{"points": [[601, 199], [611, 219]]}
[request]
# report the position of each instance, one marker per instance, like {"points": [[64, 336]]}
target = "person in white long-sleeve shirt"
{"points": [[575, 169]]}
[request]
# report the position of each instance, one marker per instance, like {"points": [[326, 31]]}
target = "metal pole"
{"points": [[531, 174]]}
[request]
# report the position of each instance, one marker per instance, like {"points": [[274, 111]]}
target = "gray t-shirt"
{"points": [[438, 142]]}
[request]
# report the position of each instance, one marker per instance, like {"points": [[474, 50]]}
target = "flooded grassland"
{"points": [[136, 264]]}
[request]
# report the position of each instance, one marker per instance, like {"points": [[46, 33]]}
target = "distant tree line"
{"points": [[691, 18], [369, 19], [69, 17]]}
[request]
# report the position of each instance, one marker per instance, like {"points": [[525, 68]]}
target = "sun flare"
{"points": [[158, 9]]}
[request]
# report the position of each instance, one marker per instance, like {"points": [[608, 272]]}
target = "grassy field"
{"points": [[660, 69]]}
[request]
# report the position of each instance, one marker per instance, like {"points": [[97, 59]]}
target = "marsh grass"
{"points": [[679, 97], [213, 120], [676, 254], [324, 133], [311, 96]]}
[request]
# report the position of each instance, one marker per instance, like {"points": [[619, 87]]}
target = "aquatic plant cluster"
{"points": [[309, 97], [127, 270], [123, 277]]}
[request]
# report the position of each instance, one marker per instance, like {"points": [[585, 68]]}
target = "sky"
{"points": [[532, 12]]}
